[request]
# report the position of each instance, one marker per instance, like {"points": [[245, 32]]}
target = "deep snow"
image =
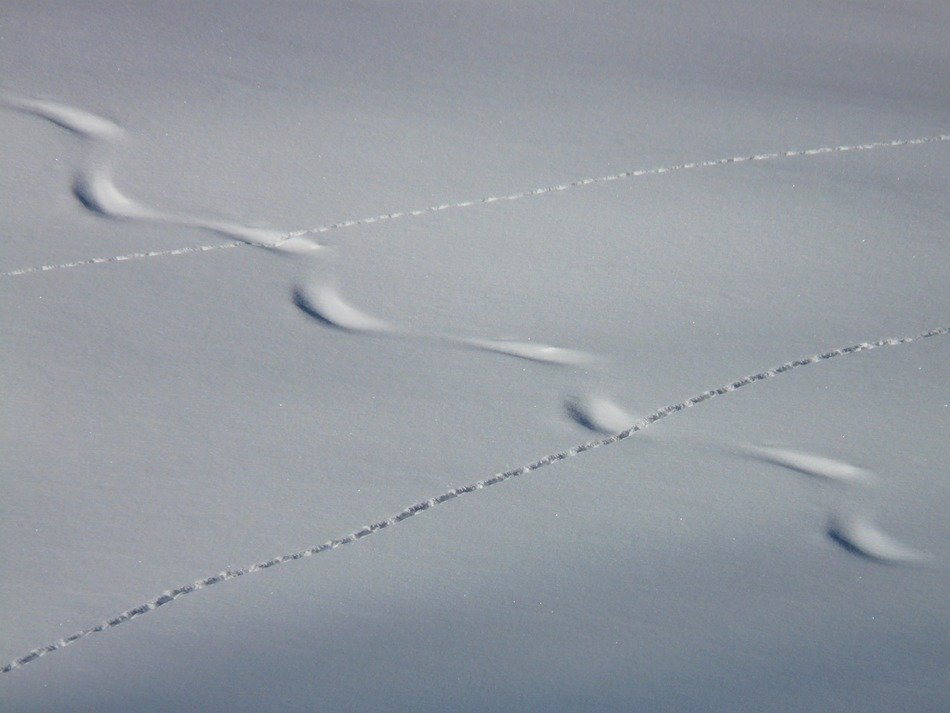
{"points": [[169, 417]]}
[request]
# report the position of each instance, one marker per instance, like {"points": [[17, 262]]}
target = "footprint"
{"points": [[861, 537], [810, 464], [599, 414]]}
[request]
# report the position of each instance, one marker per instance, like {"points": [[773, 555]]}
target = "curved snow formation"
{"points": [[324, 303], [811, 464], [82, 123], [297, 242], [598, 413], [860, 537], [532, 351], [95, 188]]}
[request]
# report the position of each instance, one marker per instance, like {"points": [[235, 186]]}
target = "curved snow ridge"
{"points": [[531, 351], [865, 539], [324, 303], [857, 538], [295, 237], [95, 189], [811, 464], [82, 123], [598, 413]]}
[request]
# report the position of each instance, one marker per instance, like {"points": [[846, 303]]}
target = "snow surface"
{"points": [[528, 224]]}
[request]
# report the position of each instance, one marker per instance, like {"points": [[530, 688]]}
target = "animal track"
{"points": [[95, 189], [854, 534], [96, 128]]}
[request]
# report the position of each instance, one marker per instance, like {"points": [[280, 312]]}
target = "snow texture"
{"points": [[572, 213]]}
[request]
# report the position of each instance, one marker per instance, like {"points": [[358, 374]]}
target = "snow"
{"points": [[536, 225]]}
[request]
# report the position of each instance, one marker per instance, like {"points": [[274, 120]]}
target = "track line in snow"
{"points": [[639, 425], [94, 187], [620, 176], [298, 234], [124, 258]]}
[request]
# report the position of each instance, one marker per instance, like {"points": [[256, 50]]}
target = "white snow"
{"points": [[811, 464], [866, 539], [599, 413], [682, 214]]}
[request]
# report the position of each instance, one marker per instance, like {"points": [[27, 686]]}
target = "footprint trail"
{"points": [[87, 125], [863, 539]]}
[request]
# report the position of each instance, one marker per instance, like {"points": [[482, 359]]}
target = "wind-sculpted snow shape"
{"points": [[532, 351], [856, 535], [95, 188], [297, 240], [82, 123], [598, 413], [324, 303], [863, 538], [810, 464]]}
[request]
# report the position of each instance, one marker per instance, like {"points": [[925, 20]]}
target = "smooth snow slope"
{"points": [[173, 416]]}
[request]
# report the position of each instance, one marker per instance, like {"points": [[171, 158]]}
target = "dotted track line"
{"points": [[487, 200], [173, 594], [620, 176], [124, 258]]}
